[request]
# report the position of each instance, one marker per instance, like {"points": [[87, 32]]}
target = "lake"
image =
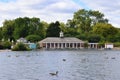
{"points": [[70, 64]]}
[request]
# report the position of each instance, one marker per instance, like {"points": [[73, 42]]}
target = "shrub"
{"points": [[20, 47], [117, 44], [5, 45]]}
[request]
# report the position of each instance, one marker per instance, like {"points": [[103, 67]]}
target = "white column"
{"points": [[80, 45], [54, 45], [65, 45], [76, 45], [61, 45], [73, 45], [50, 45], [96, 46], [46, 45], [58, 45]]}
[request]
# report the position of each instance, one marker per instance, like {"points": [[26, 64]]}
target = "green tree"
{"points": [[53, 30], [8, 29], [94, 38], [1, 34], [85, 19], [105, 30], [33, 38]]}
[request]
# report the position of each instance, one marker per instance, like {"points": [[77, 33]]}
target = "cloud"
{"points": [[61, 10]]}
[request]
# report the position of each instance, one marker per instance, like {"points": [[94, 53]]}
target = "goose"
{"points": [[54, 74]]}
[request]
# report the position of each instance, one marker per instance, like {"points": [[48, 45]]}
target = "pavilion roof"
{"points": [[61, 40]]}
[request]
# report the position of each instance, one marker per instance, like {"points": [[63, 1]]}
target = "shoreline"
{"points": [[5, 50]]}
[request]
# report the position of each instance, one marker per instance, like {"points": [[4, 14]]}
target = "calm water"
{"points": [[79, 65]]}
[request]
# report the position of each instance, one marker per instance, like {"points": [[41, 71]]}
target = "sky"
{"points": [[58, 10]]}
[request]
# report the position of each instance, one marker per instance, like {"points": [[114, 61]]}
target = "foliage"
{"points": [[104, 30], [85, 19], [94, 38], [33, 38], [20, 47], [86, 44], [5, 45], [117, 44], [53, 30], [1, 34], [8, 29], [101, 44]]}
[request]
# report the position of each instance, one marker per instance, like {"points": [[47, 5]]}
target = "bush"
{"points": [[20, 47], [117, 44], [5, 45]]}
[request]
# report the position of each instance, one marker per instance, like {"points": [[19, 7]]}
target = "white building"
{"points": [[109, 45], [23, 40], [61, 42]]}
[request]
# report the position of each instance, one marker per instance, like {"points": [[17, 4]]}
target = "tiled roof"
{"points": [[61, 40]]}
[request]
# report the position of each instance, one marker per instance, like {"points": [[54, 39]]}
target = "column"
{"points": [[50, 45], [54, 45], [76, 45], [69, 45], [73, 45], [96, 46], [58, 45], [46, 45], [61, 45], [65, 45], [80, 45]]}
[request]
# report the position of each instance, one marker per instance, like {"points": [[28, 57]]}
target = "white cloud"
{"points": [[62, 10]]}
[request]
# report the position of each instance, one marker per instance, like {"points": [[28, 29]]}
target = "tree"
{"points": [[94, 38], [105, 30], [1, 36], [33, 38], [53, 30], [85, 19], [28, 26], [8, 29]]}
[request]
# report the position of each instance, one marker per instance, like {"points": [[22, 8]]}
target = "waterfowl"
{"points": [[9, 55], [28, 56], [17, 55], [64, 59], [54, 74], [113, 58]]}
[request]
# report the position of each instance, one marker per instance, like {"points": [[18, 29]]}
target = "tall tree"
{"points": [[85, 19], [53, 30], [105, 30], [7, 29]]}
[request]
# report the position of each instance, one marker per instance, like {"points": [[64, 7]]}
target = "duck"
{"points": [[9, 55], [64, 59], [54, 74], [17, 55]]}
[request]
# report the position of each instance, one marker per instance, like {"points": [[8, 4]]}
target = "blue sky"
{"points": [[61, 10]]}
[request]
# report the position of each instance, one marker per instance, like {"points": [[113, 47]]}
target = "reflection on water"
{"points": [[71, 65]]}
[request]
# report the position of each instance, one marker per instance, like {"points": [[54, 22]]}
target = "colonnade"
{"points": [[63, 45]]}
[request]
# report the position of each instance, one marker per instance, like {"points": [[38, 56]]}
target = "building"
{"points": [[109, 45], [23, 40], [61, 42]]}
